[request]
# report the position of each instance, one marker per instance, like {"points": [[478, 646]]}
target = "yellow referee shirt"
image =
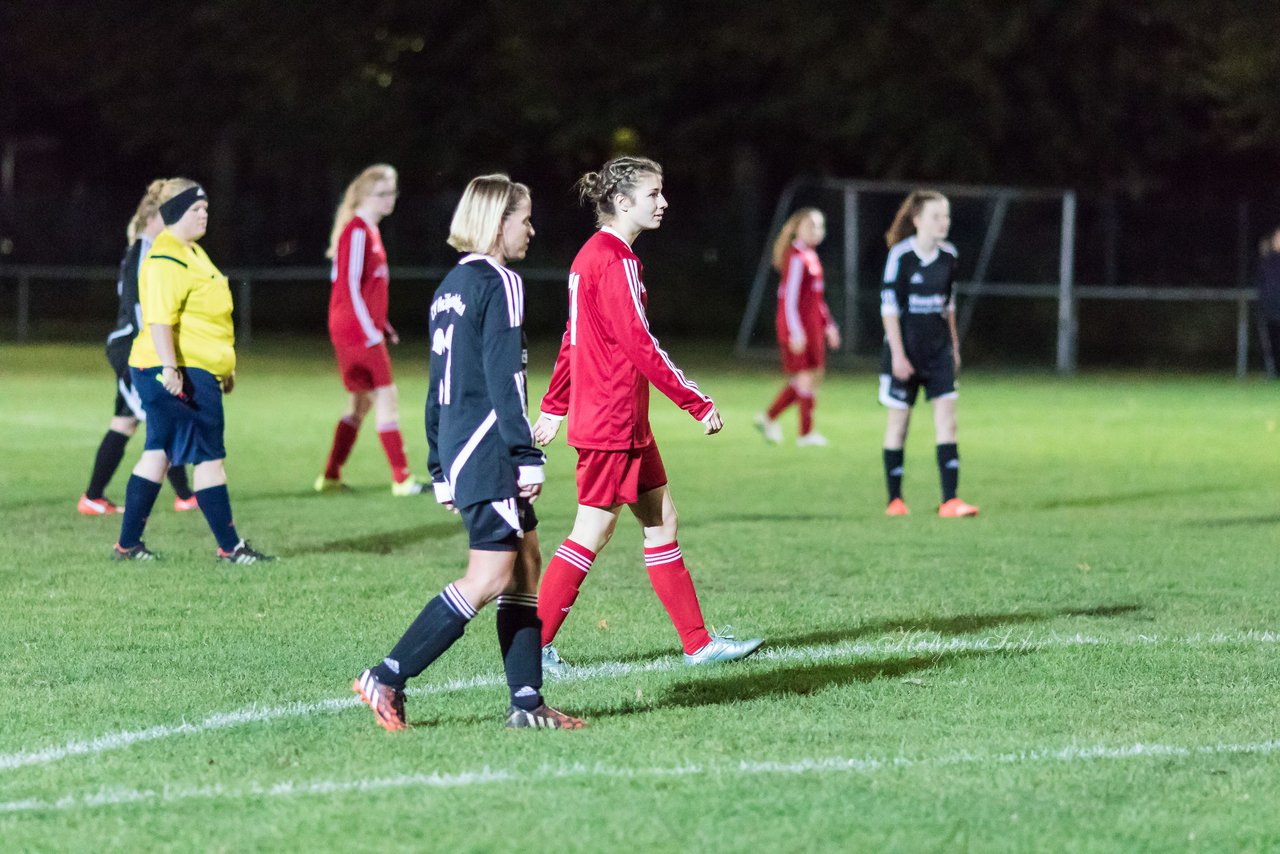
{"points": [[179, 286]]}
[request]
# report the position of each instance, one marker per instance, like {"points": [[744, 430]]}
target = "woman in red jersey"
{"points": [[359, 329], [805, 328], [608, 357]]}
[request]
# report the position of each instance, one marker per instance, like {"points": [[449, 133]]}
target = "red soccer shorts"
{"points": [[610, 478], [364, 368], [812, 358]]}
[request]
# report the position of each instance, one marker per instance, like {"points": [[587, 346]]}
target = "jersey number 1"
{"points": [[442, 345], [574, 279]]}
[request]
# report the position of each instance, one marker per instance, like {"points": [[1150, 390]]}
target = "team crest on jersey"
{"points": [[917, 279], [448, 302]]}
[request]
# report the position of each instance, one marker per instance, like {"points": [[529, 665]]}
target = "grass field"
{"points": [[1090, 665]]}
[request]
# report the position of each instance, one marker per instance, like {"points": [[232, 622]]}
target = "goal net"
{"points": [[1012, 242]]}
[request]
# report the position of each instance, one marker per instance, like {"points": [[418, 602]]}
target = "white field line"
{"points": [[597, 772], [916, 643]]}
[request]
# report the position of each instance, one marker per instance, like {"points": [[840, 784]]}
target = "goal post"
{"points": [[1013, 242]]}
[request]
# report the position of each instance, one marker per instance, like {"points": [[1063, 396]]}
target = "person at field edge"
{"points": [[608, 357], [359, 329], [804, 325], [141, 232], [182, 362], [921, 345], [1269, 297], [483, 462]]}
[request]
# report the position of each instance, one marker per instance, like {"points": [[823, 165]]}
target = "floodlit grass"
{"points": [[1090, 665]]}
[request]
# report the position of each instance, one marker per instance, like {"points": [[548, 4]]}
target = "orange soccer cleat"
{"points": [[897, 507], [98, 506], [387, 702], [955, 508], [184, 504]]}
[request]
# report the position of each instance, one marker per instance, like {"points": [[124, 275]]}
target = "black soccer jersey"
{"points": [[129, 312], [921, 296], [477, 423]]}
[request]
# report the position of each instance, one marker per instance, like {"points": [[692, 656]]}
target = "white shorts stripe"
{"points": [[132, 399]]}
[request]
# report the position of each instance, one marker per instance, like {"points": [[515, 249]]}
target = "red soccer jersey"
{"points": [[802, 307], [358, 302], [608, 356]]}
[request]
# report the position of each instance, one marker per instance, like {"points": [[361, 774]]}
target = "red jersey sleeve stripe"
{"points": [[791, 294], [633, 280], [355, 272]]}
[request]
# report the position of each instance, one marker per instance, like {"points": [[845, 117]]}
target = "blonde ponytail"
{"points": [[357, 191]]}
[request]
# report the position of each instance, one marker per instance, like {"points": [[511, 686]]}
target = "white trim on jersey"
{"points": [[889, 303], [514, 287], [521, 381], [127, 329], [933, 256], [469, 448], [608, 229], [791, 295], [632, 268], [355, 270], [132, 399], [902, 247], [511, 283]]}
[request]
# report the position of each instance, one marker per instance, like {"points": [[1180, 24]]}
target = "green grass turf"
{"points": [[1087, 666]]}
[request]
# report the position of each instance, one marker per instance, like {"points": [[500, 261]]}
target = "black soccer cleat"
{"points": [[243, 554], [138, 552], [543, 717]]}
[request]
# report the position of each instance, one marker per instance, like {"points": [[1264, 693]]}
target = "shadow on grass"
{"points": [[1240, 522], [959, 624], [796, 681], [305, 491], [753, 518], [1086, 501], [384, 542]]}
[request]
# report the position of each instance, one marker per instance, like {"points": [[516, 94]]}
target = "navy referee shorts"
{"points": [[188, 428]]}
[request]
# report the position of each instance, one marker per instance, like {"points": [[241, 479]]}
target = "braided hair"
{"points": [[619, 175]]}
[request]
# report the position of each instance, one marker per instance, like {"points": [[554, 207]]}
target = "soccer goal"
{"points": [[1012, 242]]}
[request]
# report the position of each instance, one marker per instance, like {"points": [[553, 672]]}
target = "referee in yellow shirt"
{"points": [[182, 362]]}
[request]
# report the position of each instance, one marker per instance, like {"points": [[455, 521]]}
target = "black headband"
{"points": [[174, 209]]}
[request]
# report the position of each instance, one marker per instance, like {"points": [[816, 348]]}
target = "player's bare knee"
{"points": [[124, 425]]}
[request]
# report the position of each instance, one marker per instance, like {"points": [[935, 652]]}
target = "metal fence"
{"points": [[243, 281]]}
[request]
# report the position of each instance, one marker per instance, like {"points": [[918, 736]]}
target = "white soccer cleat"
{"points": [[770, 429], [723, 647], [812, 440], [552, 663]]}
